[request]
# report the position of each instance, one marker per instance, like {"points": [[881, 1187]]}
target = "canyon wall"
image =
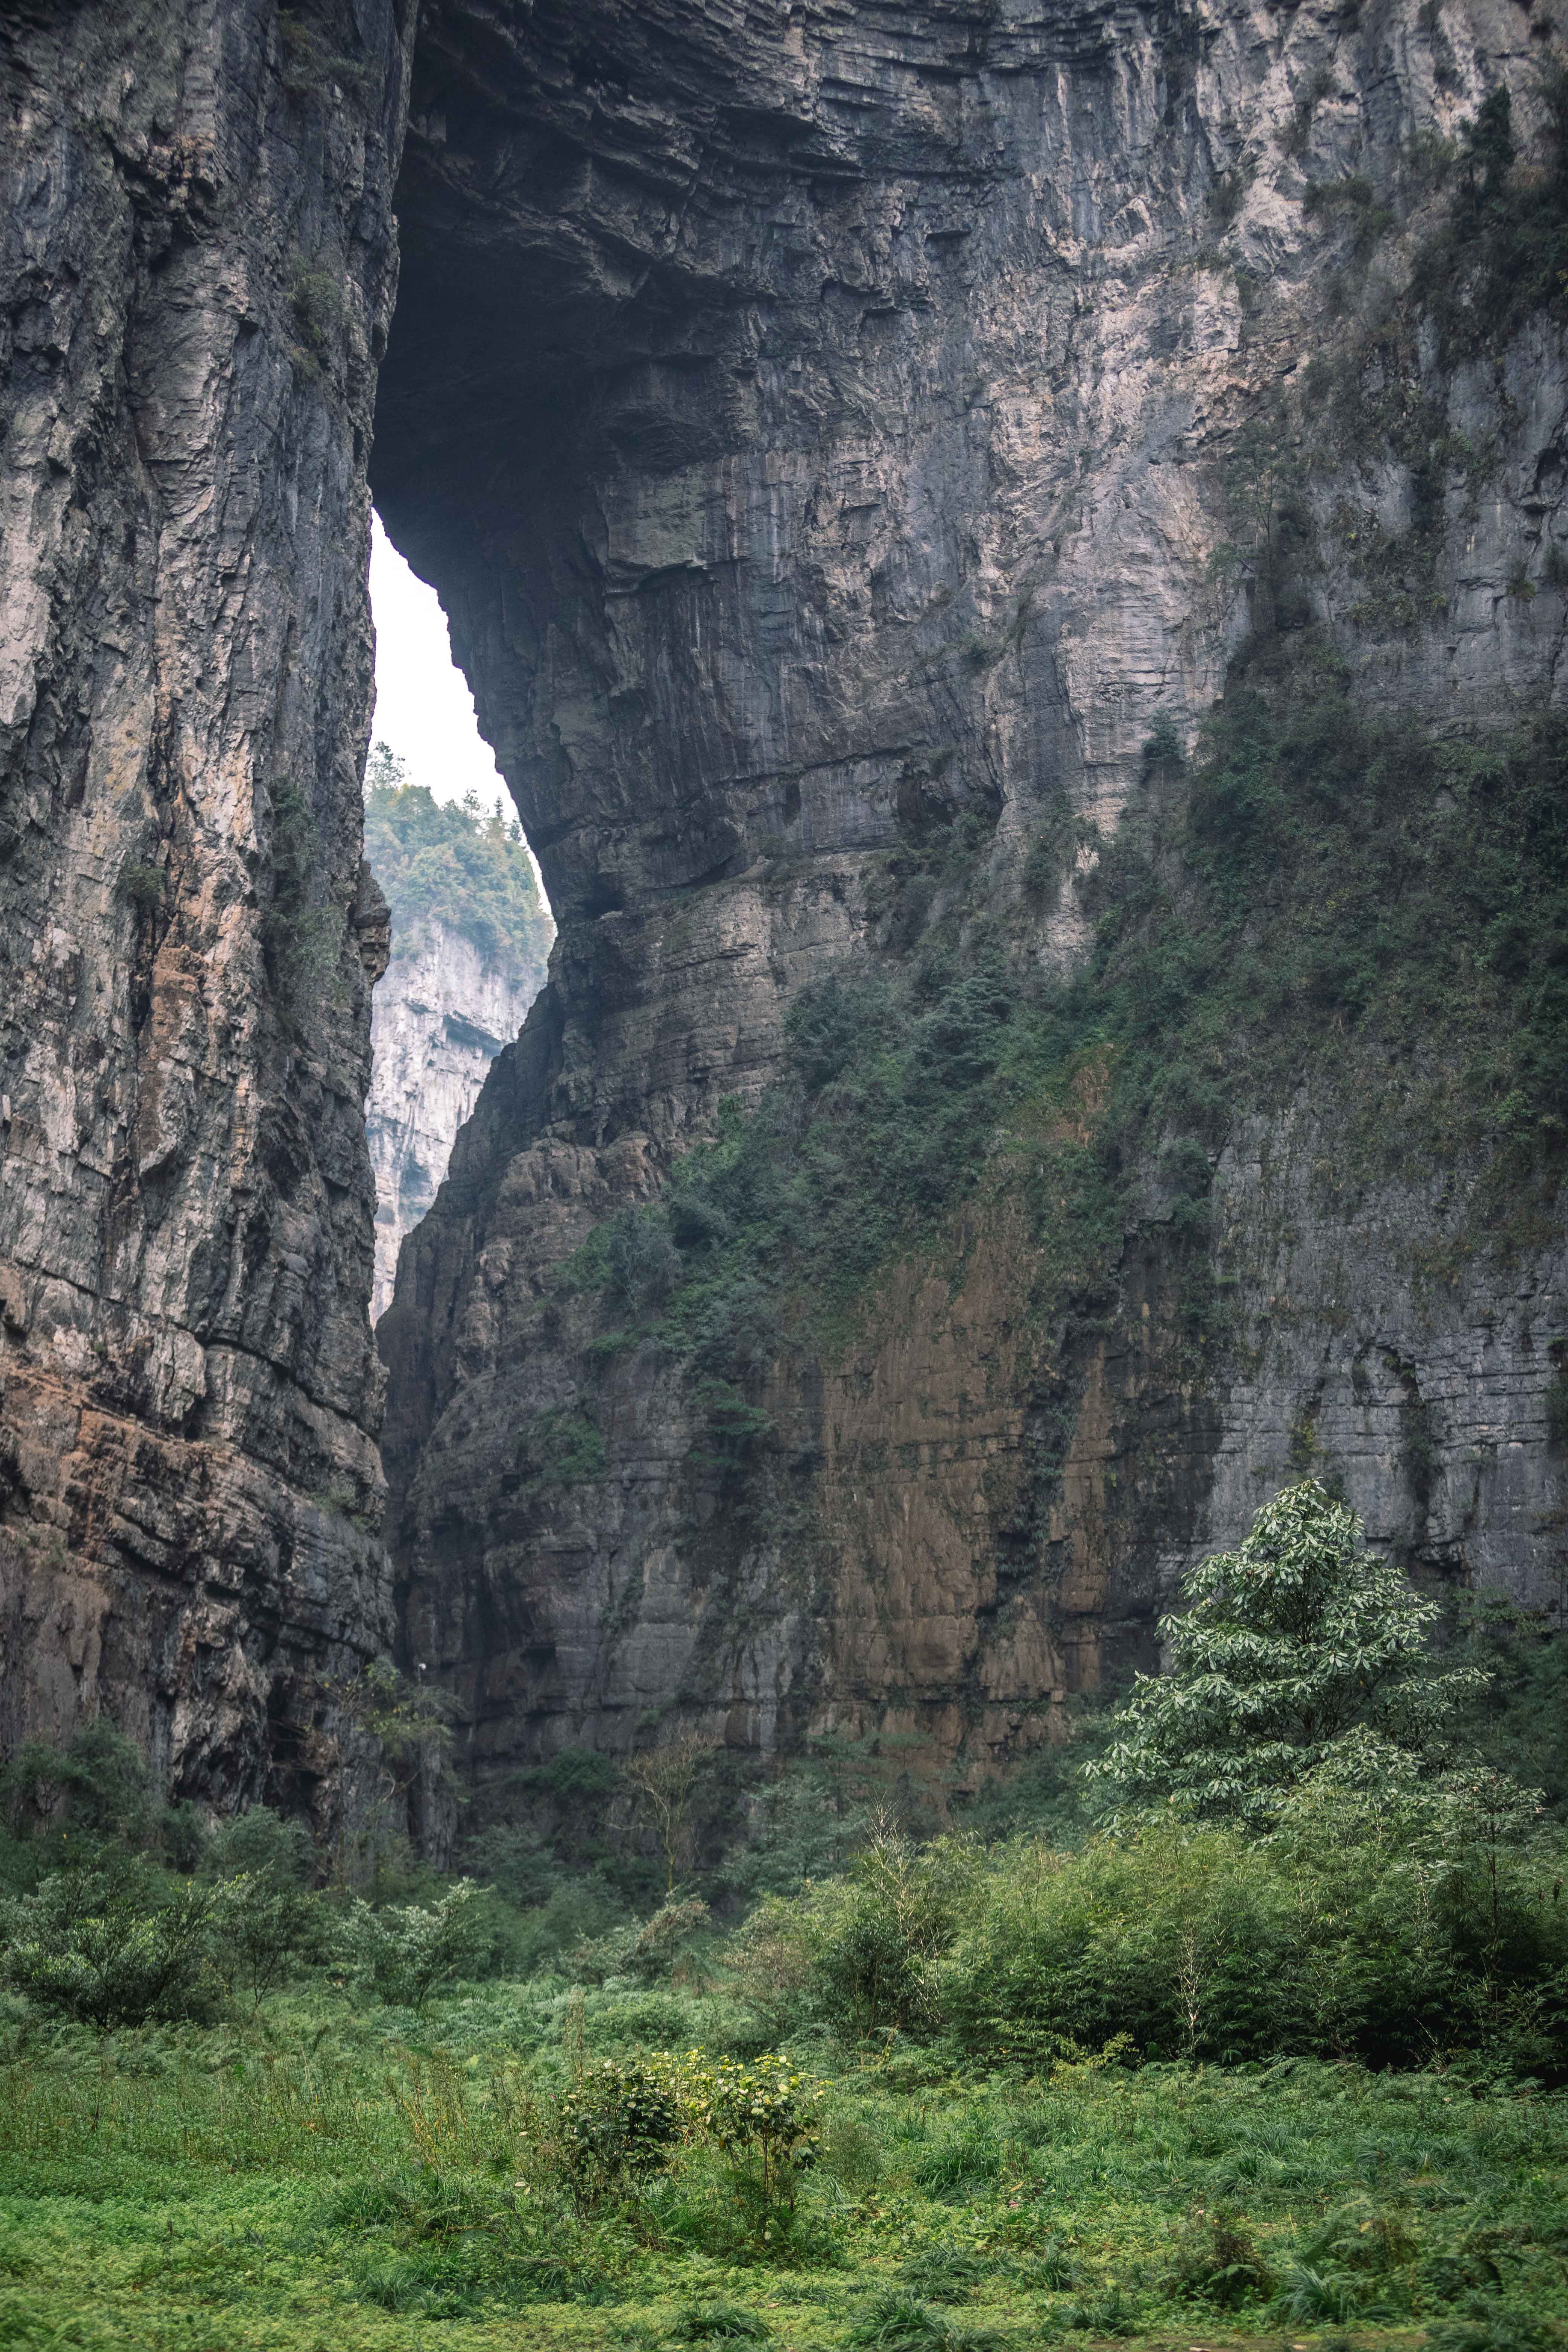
{"points": [[875, 459], [197, 269], [826, 426]]}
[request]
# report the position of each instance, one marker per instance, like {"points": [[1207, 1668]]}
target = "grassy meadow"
{"points": [[327, 2176], [1276, 2054]]}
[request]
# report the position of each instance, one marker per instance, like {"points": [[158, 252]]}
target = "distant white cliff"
{"points": [[470, 938], [439, 1021]]}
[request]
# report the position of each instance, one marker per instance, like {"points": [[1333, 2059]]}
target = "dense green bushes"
{"points": [[1399, 1929], [115, 1948], [1313, 1859], [63, 1806], [1376, 1888], [951, 2084], [1314, 1856], [122, 1911]]}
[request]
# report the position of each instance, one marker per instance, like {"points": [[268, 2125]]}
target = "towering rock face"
{"points": [[441, 1015], [855, 443], [833, 426], [197, 267]]}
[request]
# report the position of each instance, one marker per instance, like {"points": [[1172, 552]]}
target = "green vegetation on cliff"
{"points": [[1327, 898], [438, 861], [1320, 898], [1501, 255]]}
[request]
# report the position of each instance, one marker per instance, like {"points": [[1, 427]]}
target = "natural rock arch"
{"points": [[813, 416]]}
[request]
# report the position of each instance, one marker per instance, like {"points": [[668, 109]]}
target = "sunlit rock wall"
{"points": [[441, 1016]]}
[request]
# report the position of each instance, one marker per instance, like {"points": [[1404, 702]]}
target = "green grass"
{"points": [[319, 2181]]}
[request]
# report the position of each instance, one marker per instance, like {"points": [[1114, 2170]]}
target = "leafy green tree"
{"points": [[268, 1933], [455, 864], [1292, 1644], [407, 1952], [112, 1947], [261, 1844], [765, 2119], [664, 1780], [270, 1915], [884, 1925], [98, 1785], [619, 2122]]}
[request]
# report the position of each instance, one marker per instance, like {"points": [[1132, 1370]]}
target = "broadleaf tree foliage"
{"points": [[1302, 1651]]}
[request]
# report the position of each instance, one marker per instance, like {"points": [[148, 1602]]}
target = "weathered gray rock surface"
{"points": [[815, 417], [197, 267]]}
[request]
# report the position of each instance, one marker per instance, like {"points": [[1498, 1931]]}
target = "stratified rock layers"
{"points": [[817, 416], [814, 419], [197, 266]]}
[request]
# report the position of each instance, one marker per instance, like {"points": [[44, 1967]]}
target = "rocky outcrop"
{"points": [[820, 423], [441, 1016], [197, 267]]}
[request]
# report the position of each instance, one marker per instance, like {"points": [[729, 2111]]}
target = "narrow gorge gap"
{"points": [[471, 930]]}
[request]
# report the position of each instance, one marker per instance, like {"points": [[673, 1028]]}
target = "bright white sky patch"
{"points": [[423, 708]]}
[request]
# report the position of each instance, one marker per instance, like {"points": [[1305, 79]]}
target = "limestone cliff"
{"points": [[197, 267], [837, 428], [1044, 514], [441, 1016], [470, 940]]}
